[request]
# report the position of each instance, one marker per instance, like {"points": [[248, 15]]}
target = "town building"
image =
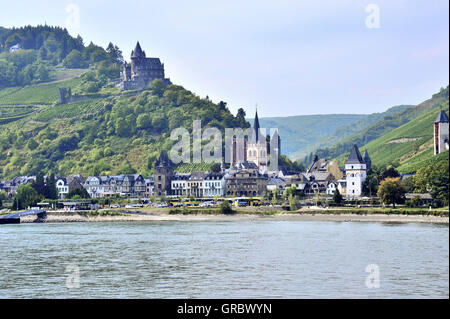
{"points": [[179, 184], [10, 186], [149, 186], [245, 180], [62, 187], [441, 142], [131, 185], [214, 184]]}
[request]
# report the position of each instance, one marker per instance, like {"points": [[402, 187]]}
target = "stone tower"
{"points": [[163, 174], [355, 169], [441, 133]]}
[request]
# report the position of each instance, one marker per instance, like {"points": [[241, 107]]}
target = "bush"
{"points": [[225, 208]]}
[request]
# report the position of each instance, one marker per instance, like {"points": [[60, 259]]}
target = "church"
{"points": [[141, 71], [257, 149]]}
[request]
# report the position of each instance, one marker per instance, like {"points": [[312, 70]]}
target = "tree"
{"points": [[275, 193], [78, 193], [42, 73], [39, 184], [225, 208], [26, 196], [3, 196], [121, 127], [32, 144], [127, 169], [391, 191], [292, 202], [390, 172], [157, 87], [337, 197], [240, 117], [143, 121], [74, 60], [50, 189], [434, 179]]}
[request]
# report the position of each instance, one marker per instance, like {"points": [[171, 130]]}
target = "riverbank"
{"points": [[189, 216]]}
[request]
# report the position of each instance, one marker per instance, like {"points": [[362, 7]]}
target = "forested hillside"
{"points": [[105, 131], [43, 49]]}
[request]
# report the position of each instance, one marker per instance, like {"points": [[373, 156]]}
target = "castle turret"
{"points": [[367, 160], [441, 133], [137, 52]]}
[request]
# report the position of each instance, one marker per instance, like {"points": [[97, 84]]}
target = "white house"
{"points": [[15, 47], [94, 186], [331, 188], [214, 185], [63, 187], [178, 184], [355, 168]]}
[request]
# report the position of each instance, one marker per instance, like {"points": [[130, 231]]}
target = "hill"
{"points": [[43, 50], [103, 134], [387, 124], [409, 146], [102, 130]]}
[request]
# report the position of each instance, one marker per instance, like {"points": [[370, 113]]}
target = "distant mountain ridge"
{"points": [[303, 134], [385, 125]]}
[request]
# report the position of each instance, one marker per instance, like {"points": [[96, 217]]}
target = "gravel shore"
{"points": [[54, 217]]}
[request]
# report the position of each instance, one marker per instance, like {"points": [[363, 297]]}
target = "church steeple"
{"points": [[256, 126]]}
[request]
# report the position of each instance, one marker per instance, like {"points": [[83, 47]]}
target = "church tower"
{"points": [[441, 133], [257, 147], [355, 169]]}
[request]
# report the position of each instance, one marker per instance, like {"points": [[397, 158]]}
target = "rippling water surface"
{"points": [[239, 259]]}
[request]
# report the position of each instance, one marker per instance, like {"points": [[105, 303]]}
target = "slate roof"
{"points": [[442, 117], [137, 52], [355, 156]]}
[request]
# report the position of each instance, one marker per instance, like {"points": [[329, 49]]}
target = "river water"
{"points": [[237, 259]]}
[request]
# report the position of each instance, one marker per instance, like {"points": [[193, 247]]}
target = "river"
{"points": [[237, 259]]}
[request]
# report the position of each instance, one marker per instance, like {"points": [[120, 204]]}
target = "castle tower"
{"points": [[163, 174], [355, 169], [257, 147], [441, 133]]}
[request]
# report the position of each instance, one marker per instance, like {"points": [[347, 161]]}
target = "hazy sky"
{"points": [[292, 57]]}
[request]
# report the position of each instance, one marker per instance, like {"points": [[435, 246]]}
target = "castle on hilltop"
{"points": [[141, 71]]}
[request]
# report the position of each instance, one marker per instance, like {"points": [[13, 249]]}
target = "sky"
{"points": [[287, 57]]}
